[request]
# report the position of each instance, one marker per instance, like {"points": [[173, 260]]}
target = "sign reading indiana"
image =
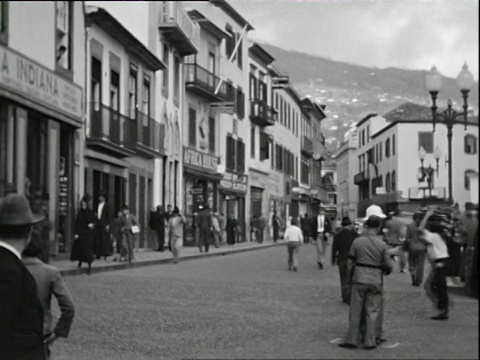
{"points": [[36, 83], [199, 159]]}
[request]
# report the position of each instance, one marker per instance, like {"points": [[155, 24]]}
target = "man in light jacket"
{"points": [[294, 238]]}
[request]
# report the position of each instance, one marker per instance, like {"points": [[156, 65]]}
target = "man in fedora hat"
{"points": [[342, 241], [21, 313]]}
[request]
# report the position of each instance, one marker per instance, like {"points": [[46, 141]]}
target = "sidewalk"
{"points": [[146, 257]]}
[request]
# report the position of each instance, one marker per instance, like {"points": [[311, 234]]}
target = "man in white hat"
{"points": [[21, 312]]}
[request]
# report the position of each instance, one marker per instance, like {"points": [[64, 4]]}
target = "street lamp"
{"points": [[449, 116], [426, 173]]}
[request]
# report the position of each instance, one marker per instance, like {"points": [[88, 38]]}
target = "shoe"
{"points": [[320, 265], [289, 268], [380, 340], [295, 269], [347, 346], [371, 347], [440, 317]]}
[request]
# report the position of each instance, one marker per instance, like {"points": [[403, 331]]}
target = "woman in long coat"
{"points": [[83, 246]]}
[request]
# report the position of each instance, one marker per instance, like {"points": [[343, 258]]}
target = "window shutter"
{"points": [[192, 123], [230, 163], [211, 134], [240, 156]]}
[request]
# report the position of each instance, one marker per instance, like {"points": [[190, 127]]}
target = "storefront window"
{"points": [[37, 136], [7, 149]]}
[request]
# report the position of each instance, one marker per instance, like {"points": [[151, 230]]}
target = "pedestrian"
{"points": [[342, 241], [168, 214], [395, 231], [103, 244], [49, 283], [231, 229], [261, 224], [416, 250], [116, 233], [158, 218], [294, 238], [175, 232], [305, 226], [205, 226], [275, 226], [319, 226], [21, 312], [222, 223], [130, 228], [216, 230], [83, 245], [436, 284], [368, 262], [39, 206]]}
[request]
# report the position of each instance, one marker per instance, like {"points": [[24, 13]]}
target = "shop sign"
{"points": [[234, 182], [258, 179], [35, 82], [199, 159]]}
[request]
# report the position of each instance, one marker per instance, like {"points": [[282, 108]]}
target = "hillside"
{"points": [[353, 91]]}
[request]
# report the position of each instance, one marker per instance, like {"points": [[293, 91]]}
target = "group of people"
{"points": [[27, 286]]}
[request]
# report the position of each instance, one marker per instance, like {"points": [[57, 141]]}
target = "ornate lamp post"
{"points": [[426, 173], [449, 116]]}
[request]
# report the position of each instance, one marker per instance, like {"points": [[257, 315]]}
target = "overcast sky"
{"points": [[383, 33]]}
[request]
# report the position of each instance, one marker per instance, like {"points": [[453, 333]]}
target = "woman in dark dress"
{"points": [[231, 230], [83, 246]]}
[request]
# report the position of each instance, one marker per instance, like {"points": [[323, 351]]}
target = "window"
{"points": [[467, 180], [240, 53], [380, 151], [252, 142], [240, 103], [387, 148], [264, 146], [7, 148], [387, 182], [114, 90], [230, 156], [96, 83], [165, 71], [272, 158], [253, 88], [192, 127], [393, 181], [230, 44], [146, 96], [63, 47], [176, 93], [3, 22], [368, 134], [470, 144], [211, 62], [425, 140], [278, 157], [240, 156], [211, 134], [132, 92], [393, 144]]}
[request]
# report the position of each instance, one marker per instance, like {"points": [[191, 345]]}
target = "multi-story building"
{"points": [[233, 127], [123, 133], [42, 47], [389, 170]]}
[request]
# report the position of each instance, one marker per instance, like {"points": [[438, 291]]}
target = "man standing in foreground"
{"points": [[369, 260], [21, 313], [294, 238], [342, 241]]}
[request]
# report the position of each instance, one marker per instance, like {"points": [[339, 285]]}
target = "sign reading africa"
{"points": [[199, 159], [35, 82]]}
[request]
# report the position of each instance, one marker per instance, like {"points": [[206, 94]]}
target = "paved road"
{"points": [[250, 306]]}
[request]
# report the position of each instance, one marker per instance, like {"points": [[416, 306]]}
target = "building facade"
{"points": [[42, 107]]}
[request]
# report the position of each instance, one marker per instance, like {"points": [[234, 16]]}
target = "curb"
{"points": [[123, 266]]}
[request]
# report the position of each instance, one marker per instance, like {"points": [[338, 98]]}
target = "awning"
{"points": [[203, 173]]}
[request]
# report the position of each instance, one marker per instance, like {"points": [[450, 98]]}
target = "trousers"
{"points": [[321, 247], [436, 287], [293, 248], [344, 281], [204, 239], [416, 262]]}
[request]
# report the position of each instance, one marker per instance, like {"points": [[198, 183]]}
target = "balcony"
{"points": [[145, 135], [204, 83], [261, 114], [178, 29], [307, 146], [104, 134], [360, 178], [426, 194]]}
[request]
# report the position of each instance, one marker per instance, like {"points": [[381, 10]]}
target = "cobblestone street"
{"points": [[249, 305]]}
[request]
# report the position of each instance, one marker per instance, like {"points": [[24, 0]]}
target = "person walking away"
{"points": [[116, 233], [319, 223], [395, 231], [222, 223], [175, 232], [129, 230], [103, 244], [205, 226], [21, 313], [342, 241], [305, 226], [368, 262], [436, 284], [216, 230], [294, 238], [49, 282], [231, 229], [83, 245], [157, 222], [261, 224], [275, 226], [416, 250], [168, 214]]}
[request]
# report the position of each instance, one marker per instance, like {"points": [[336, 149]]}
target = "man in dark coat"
{"points": [[305, 226], [103, 244], [21, 313], [342, 241], [205, 226], [275, 226], [157, 223]]}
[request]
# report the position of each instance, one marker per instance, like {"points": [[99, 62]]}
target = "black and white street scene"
{"points": [[239, 179]]}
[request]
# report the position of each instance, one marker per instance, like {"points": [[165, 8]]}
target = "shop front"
{"points": [[232, 191], [200, 181], [259, 196], [277, 199], [40, 114]]}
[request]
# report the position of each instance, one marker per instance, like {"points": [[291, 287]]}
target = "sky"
{"points": [[415, 34]]}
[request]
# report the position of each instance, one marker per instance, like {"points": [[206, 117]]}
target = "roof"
{"points": [[207, 25], [369, 116], [117, 31], [261, 53], [234, 14], [308, 105], [409, 112]]}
